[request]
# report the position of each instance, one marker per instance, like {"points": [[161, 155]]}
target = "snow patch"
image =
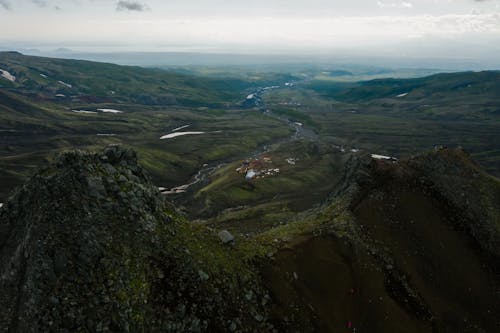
{"points": [[173, 135], [383, 157], [179, 128], [65, 84], [402, 95], [83, 111], [6, 75], [251, 96], [110, 111], [43, 75]]}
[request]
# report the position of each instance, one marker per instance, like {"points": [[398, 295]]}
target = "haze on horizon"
{"points": [[468, 29]]}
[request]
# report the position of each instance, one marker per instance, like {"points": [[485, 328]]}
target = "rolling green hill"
{"points": [[402, 117], [35, 123], [466, 86], [82, 80]]}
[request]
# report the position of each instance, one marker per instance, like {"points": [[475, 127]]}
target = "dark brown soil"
{"points": [[411, 270], [455, 279], [334, 289]]}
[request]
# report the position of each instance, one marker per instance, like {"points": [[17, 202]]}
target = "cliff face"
{"points": [[89, 245]]}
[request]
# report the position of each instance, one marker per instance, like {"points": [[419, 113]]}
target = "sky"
{"points": [[410, 28]]}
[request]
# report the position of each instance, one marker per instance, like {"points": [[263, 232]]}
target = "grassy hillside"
{"points": [[463, 86], [82, 80], [403, 117], [35, 124], [388, 116]]}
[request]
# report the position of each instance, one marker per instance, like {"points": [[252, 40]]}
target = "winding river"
{"points": [[299, 132]]}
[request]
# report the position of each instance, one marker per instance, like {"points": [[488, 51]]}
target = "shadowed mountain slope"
{"points": [[416, 250], [88, 244]]}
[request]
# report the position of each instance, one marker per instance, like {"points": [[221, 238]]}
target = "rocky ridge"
{"points": [[89, 245]]}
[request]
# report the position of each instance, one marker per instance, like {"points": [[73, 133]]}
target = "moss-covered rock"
{"points": [[89, 245]]}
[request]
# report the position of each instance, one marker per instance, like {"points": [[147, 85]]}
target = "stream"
{"points": [[256, 100]]}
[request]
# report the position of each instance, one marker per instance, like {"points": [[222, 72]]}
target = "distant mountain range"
{"points": [[335, 59]]}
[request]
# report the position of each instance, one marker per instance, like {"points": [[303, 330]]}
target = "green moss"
{"points": [[202, 246], [335, 215]]}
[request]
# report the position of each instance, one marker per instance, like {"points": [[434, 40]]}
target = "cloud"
{"points": [[130, 6], [40, 3], [401, 4], [5, 4]]}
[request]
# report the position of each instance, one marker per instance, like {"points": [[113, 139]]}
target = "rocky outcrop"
{"points": [[88, 245]]}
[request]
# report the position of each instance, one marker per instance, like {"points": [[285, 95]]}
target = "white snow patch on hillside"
{"points": [[83, 111], [110, 111], [179, 128], [6, 75], [173, 135], [65, 84]]}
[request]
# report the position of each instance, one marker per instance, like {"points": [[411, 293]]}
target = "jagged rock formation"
{"points": [[88, 245]]}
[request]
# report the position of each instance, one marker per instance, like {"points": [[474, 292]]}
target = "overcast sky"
{"points": [[440, 28]]}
